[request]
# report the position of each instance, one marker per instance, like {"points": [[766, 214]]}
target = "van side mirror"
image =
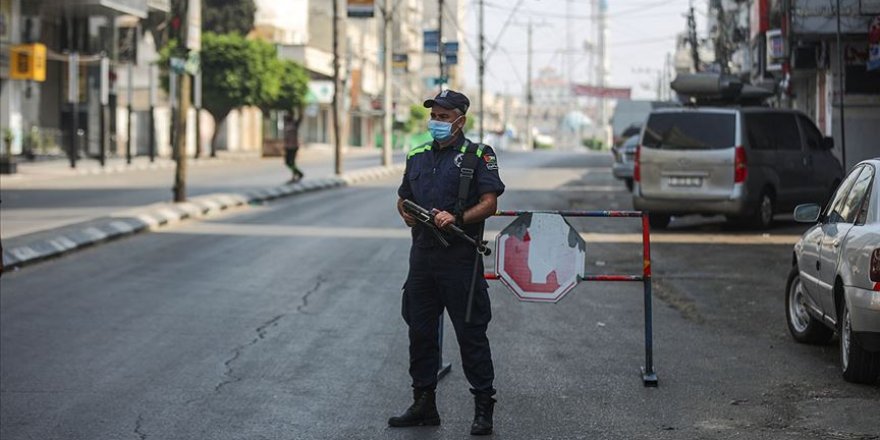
{"points": [[828, 142], [807, 213]]}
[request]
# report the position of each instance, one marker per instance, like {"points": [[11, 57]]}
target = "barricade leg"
{"points": [[443, 368], [649, 376]]}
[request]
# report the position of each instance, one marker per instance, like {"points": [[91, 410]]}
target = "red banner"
{"points": [[601, 92]]}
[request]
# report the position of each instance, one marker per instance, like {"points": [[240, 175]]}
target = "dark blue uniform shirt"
{"points": [[431, 180]]}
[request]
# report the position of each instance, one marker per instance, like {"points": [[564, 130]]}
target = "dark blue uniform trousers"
{"points": [[440, 278]]}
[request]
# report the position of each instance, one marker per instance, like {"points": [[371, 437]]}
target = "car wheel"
{"points": [[629, 184], [857, 364], [763, 216], [801, 324], [659, 221]]}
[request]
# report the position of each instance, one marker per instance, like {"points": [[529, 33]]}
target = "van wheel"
{"points": [[763, 216], [801, 324], [857, 364], [659, 221]]}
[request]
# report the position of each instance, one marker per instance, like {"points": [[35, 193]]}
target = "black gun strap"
{"points": [[469, 162]]}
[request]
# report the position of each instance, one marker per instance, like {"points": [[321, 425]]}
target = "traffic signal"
{"points": [[28, 61]]}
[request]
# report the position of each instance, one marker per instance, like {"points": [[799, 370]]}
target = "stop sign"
{"points": [[539, 257]]}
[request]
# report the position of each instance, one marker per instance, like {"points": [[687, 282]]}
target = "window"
{"points": [[772, 131], [785, 131], [690, 131], [855, 209], [758, 133], [812, 136], [836, 208]]}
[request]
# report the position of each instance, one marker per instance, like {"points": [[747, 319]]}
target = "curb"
{"points": [[61, 241]]}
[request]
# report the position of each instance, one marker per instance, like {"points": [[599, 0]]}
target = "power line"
{"points": [[632, 11]]}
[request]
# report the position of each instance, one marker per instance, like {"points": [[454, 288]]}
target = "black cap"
{"points": [[451, 100]]}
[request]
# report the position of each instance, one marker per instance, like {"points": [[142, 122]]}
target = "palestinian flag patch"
{"points": [[491, 162]]}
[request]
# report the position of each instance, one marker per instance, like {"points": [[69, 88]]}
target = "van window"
{"points": [[812, 136], [690, 131], [772, 131]]}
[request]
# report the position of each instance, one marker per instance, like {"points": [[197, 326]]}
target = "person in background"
{"points": [[291, 147]]}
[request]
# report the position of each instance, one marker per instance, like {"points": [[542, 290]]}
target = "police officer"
{"points": [[440, 277]]}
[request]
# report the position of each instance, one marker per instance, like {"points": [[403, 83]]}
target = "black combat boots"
{"points": [[423, 412], [483, 407]]}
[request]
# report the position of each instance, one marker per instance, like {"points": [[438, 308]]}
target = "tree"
{"points": [[236, 72], [228, 16], [292, 94]]}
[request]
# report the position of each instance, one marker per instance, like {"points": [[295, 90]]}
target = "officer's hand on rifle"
{"points": [[443, 219], [407, 218]]}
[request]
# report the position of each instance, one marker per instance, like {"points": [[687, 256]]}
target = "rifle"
{"points": [[426, 218]]}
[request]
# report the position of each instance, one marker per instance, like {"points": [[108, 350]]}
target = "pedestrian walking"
{"points": [[459, 180], [291, 147]]}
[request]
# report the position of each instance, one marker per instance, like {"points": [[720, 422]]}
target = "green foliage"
{"points": [[293, 88], [228, 16], [418, 119], [469, 123], [238, 72], [593, 143]]}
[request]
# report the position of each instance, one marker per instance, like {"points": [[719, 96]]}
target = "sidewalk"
{"points": [[49, 209]]}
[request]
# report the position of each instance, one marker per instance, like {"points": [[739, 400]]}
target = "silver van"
{"points": [[746, 163]]}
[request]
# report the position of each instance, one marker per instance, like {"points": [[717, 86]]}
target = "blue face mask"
{"points": [[440, 130]]}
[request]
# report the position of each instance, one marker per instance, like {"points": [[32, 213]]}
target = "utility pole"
{"points": [[840, 93], [129, 96], [73, 98], [388, 15], [482, 67], [336, 141], [112, 98], [441, 48], [529, 142], [192, 29], [692, 37], [151, 141], [180, 139], [197, 103], [105, 100]]}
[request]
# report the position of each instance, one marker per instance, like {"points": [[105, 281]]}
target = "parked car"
{"points": [[834, 284], [747, 163], [624, 158]]}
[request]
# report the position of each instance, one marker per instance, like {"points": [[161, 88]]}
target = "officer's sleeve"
{"points": [[486, 173], [405, 190]]}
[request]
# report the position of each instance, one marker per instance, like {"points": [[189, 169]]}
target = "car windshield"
{"points": [[690, 131]]}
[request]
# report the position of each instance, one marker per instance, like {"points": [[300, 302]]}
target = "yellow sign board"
{"points": [[28, 61]]}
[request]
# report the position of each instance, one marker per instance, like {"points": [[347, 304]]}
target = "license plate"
{"points": [[687, 181]]}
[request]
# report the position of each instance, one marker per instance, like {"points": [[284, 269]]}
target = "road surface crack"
{"points": [[236, 353], [262, 330], [305, 299], [139, 426]]}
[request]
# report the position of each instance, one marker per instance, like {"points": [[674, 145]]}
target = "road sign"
{"points": [[539, 257], [431, 41]]}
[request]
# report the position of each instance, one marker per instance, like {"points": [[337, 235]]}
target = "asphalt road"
{"points": [[283, 322]]}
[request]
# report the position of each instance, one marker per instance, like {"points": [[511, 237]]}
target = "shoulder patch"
{"points": [[491, 161]]}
